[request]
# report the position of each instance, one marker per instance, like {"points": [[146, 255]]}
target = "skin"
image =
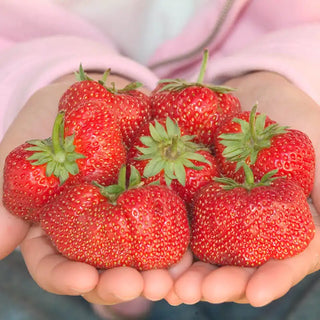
{"points": [[186, 282]]}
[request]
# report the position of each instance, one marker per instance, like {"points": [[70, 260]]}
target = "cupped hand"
{"points": [[284, 102]]}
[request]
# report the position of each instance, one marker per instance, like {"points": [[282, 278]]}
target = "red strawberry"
{"points": [[198, 107], [246, 225], [97, 136], [33, 172], [266, 146], [86, 146], [131, 105], [133, 110], [143, 227], [26, 187], [163, 152], [83, 90]]}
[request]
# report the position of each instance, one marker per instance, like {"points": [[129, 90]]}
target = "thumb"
{"points": [[12, 231]]}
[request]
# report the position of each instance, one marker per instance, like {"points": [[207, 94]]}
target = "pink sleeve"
{"points": [[44, 51], [292, 52]]}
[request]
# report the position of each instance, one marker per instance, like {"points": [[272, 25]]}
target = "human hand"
{"points": [[51, 271], [288, 105]]}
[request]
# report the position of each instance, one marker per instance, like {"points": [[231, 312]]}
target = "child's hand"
{"points": [[288, 105]]}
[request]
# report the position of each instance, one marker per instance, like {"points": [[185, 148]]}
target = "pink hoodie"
{"points": [[40, 41]]}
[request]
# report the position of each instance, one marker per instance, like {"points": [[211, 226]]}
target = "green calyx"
{"points": [[113, 89], [82, 76], [112, 192], [180, 84], [168, 150], [129, 87], [253, 137], [57, 153], [249, 183]]}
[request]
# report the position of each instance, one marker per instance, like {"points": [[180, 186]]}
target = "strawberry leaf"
{"points": [[253, 137], [167, 150]]}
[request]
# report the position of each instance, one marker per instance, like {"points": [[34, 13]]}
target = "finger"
{"points": [[157, 284], [173, 299], [94, 298], [120, 284], [188, 285], [175, 271], [53, 272], [186, 261], [227, 283], [13, 230], [275, 278]]}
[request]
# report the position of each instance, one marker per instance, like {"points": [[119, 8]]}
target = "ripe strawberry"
{"points": [[33, 172], [97, 136], [131, 105], [198, 107], [83, 89], [266, 146], [132, 108], [85, 146], [26, 186], [163, 152], [246, 225], [145, 227]]}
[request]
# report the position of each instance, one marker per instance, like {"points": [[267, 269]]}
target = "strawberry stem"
{"points": [[203, 66], [58, 134], [249, 183], [252, 124], [181, 84]]}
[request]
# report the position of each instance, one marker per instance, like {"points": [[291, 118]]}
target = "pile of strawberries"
{"points": [[128, 179]]}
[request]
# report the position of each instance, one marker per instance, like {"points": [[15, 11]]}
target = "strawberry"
{"points": [[198, 107], [265, 145], [163, 152], [86, 145], [83, 89], [33, 172], [251, 223], [131, 105], [97, 136], [144, 227], [26, 187], [133, 109]]}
